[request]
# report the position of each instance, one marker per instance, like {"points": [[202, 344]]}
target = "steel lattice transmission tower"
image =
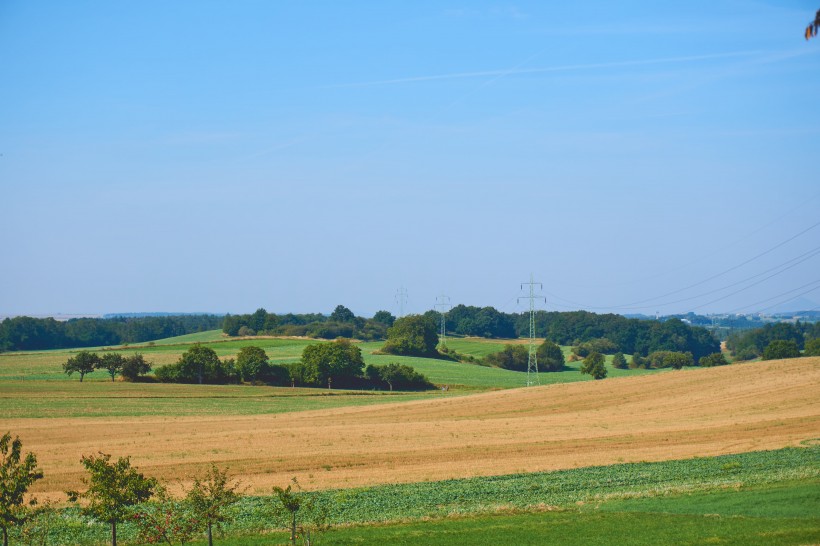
{"points": [[532, 359], [442, 306], [401, 299]]}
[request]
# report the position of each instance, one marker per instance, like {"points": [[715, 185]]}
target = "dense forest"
{"points": [[31, 334]]}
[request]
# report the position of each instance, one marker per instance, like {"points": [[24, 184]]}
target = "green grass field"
{"points": [[34, 385]]}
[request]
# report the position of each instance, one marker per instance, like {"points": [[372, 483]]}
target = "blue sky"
{"points": [[222, 156]]}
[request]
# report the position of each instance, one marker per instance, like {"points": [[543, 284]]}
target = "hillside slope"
{"points": [[672, 415]]}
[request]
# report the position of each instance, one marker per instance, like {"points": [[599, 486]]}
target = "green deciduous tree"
{"points": [[714, 359], [111, 363], [112, 489], [211, 496], [17, 473], [594, 365], [619, 361], [329, 362], [198, 364], [781, 348], [413, 335], [550, 357], [342, 314], [384, 317], [83, 362], [670, 359], [813, 347], [397, 375], [134, 366], [300, 506], [251, 363]]}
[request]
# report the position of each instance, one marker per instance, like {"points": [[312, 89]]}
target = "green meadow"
{"points": [[34, 385]]}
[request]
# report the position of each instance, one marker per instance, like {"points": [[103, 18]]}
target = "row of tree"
{"points": [[117, 492], [336, 364], [131, 368], [34, 334]]}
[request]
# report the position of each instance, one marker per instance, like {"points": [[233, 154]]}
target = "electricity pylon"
{"points": [[401, 299], [442, 306], [532, 359]]}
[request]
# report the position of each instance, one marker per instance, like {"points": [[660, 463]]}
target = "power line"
{"points": [[636, 304], [753, 258], [783, 268], [781, 295]]}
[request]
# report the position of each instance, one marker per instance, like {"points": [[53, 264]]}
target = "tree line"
{"points": [[629, 335], [34, 334], [342, 322]]}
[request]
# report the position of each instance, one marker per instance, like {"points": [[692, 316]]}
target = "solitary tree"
{"points": [[292, 502], [594, 366], [83, 362], [17, 473], [619, 361], [210, 496], [314, 515], [112, 363], [112, 489], [251, 362]]}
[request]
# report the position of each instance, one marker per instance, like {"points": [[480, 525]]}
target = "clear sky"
{"points": [[225, 156]]}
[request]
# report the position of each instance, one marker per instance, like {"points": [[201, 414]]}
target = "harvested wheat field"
{"points": [[672, 415]]}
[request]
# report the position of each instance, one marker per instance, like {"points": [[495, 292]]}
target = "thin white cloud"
{"points": [[560, 68]]}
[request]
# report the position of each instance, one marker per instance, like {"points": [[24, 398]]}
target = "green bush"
{"points": [[511, 357], [781, 348], [594, 365], [550, 357], [670, 359], [714, 359], [813, 347]]}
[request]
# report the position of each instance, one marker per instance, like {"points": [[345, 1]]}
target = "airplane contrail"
{"points": [[561, 68]]}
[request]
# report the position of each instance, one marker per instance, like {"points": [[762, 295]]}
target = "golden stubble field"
{"points": [[672, 415]]}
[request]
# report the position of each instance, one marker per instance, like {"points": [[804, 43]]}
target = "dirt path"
{"points": [[731, 409]]}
